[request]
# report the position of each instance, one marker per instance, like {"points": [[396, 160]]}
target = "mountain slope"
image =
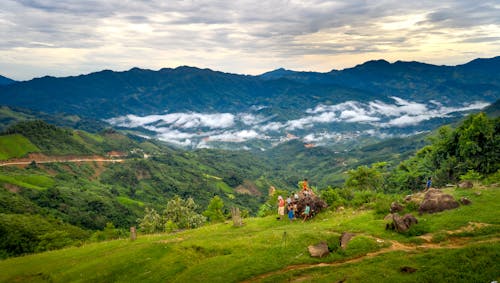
{"points": [[5, 80]]}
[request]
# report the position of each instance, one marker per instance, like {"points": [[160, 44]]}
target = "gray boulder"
{"points": [[319, 250]]}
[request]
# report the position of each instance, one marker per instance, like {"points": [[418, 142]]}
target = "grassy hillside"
{"points": [[14, 146], [458, 245]]}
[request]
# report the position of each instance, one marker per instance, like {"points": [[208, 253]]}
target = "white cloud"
{"points": [[237, 136], [239, 36], [199, 129]]}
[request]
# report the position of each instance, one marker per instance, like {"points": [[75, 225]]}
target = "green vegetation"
{"points": [[277, 251], [14, 146]]}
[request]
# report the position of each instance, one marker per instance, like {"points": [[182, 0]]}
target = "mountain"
{"points": [[199, 108], [6, 81]]}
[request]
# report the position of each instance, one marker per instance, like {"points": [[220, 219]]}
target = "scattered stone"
{"points": [[465, 201], [396, 207], [436, 201], [408, 198], [319, 250], [465, 185], [407, 269], [345, 238], [477, 193]]}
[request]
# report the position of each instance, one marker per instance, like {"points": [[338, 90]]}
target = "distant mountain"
{"points": [[6, 81], [203, 108]]}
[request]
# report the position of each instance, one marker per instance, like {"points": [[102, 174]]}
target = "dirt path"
{"points": [[60, 160], [395, 246]]}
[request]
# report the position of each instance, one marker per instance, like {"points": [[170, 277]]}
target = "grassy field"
{"points": [[461, 245], [15, 146]]}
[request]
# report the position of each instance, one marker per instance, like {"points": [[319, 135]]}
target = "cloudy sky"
{"points": [[71, 37]]}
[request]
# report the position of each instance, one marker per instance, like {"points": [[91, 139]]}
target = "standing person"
{"points": [[305, 187], [288, 200], [429, 183], [281, 207], [307, 211], [291, 213]]}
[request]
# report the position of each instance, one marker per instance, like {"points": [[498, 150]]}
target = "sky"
{"points": [[72, 37]]}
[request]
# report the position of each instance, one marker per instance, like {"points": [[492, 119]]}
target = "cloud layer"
{"points": [[67, 37], [321, 125]]}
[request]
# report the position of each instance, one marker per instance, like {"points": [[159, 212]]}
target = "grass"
{"points": [[15, 146], [278, 249], [31, 181], [128, 201]]}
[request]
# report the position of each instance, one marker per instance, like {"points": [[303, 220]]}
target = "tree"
{"points": [[214, 211], [365, 178], [183, 213], [151, 222]]}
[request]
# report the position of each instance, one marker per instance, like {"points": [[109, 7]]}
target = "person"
{"points": [[307, 211], [281, 207], [291, 213], [305, 188], [429, 183], [289, 200], [296, 197]]}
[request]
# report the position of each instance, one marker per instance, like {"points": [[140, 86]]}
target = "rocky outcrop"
{"points": [[436, 201], [319, 250], [396, 207], [465, 201], [400, 224], [345, 238], [465, 185]]}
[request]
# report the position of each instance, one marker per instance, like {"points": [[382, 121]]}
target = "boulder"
{"points": [[396, 207], [436, 201], [401, 224], [466, 185], [319, 250], [345, 238], [465, 201]]}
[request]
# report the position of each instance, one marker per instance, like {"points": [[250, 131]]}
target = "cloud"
{"points": [[199, 130], [178, 120], [239, 36]]}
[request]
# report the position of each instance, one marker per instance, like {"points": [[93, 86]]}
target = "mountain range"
{"points": [[199, 108]]}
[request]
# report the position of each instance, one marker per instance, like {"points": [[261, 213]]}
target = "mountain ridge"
{"points": [[373, 98]]}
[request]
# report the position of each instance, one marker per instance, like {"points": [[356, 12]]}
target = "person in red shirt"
{"points": [[281, 207]]}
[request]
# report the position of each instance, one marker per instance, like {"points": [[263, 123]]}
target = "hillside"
{"points": [[5, 80], [456, 245]]}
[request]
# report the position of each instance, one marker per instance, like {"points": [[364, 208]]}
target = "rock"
{"points": [[465, 185], [436, 201], [401, 224], [319, 250], [477, 193], [345, 238], [396, 207], [388, 217], [407, 269], [408, 198], [465, 201]]}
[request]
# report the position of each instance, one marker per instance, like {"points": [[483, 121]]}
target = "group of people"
{"points": [[290, 208], [291, 204]]}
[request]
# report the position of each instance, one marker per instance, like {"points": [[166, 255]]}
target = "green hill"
{"points": [[458, 245], [15, 146]]}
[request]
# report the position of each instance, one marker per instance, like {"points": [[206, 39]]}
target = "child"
{"points": [[306, 212], [291, 213]]}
